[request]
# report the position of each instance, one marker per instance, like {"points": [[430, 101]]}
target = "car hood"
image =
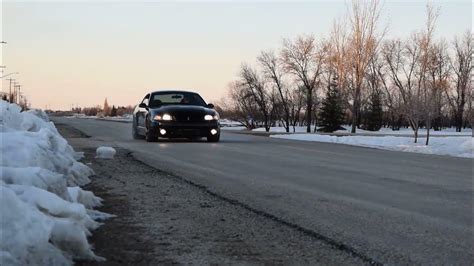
{"points": [[172, 109]]}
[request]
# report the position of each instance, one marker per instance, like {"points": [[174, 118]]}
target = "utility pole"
{"points": [[15, 83], [19, 95], [10, 93], [2, 42]]}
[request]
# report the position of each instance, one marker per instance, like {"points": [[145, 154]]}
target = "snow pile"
{"points": [[45, 216], [452, 146], [105, 152]]}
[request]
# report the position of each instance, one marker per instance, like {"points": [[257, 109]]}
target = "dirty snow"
{"points": [[105, 152], [46, 216], [452, 146]]}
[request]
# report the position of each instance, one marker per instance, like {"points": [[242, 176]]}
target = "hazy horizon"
{"points": [[78, 53]]}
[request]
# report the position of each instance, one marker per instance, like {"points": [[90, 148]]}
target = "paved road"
{"points": [[391, 207]]}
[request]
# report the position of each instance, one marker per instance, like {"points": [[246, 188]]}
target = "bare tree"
{"points": [[402, 61], [439, 72], [273, 71], [296, 103], [462, 67], [242, 105], [428, 68], [362, 44], [470, 107], [417, 69], [390, 93], [304, 59], [256, 87]]}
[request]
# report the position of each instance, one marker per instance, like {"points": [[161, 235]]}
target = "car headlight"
{"points": [[164, 117], [211, 117], [167, 117]]}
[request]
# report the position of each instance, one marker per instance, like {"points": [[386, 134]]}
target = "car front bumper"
{"points": [[176, 130]]}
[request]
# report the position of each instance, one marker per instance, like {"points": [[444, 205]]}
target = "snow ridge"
{"points": [[45, 216]]}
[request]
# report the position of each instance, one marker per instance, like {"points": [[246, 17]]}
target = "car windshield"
{"points": [[176, 98]]}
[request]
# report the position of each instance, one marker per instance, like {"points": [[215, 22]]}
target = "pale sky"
{"points": [[79, 52]]}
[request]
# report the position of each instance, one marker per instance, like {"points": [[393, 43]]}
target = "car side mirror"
{"points": [[142, 105], [210, 105]]}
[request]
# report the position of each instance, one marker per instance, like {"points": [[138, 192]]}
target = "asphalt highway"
{"points": [[384, 206]]}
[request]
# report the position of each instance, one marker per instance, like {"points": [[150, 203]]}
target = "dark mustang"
{"points": [[175, 114]]}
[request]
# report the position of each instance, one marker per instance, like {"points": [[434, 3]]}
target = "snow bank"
{"points": [[298, 129], [409, 131], [382, 131], [45, 216], [124, 118], [105, 152], [452, 146]]}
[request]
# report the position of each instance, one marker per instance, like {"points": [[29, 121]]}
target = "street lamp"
{"points": [[14, 73]]}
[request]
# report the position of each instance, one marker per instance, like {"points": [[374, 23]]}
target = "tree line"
{"points": [[359, 77], [105, 110]]}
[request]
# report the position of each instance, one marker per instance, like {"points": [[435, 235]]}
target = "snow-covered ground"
{"points": [[229, 123], [382, 131], [409, 131], [45, 215], [282, 129], [461, 146], [124, 118]]}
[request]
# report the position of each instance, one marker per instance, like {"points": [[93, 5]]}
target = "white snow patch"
{"points": [[382, 131], [105, 152], [234, 128], [298, 129], [452, 146], [43, 221], [409, 131], [124, 118]]}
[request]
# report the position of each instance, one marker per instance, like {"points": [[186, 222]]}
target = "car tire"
{"points": [[135, 132], [214, 138], [149, 135]]}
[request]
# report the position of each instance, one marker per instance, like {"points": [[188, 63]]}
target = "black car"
{"points": [[175, 114]]}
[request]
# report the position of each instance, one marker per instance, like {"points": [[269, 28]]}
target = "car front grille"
{"points": [[189, 118]]}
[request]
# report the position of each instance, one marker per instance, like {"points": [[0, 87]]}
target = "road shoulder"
{"points": [[162, 219]]}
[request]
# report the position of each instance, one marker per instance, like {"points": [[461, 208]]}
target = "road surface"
{"points": [[384, 206]]}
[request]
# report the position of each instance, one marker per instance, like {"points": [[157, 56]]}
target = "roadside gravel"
{"points": [[164, 219]]}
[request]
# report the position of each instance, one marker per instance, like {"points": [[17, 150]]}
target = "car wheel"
{"points": [[149, 136], [214, 138], [135, 132]]}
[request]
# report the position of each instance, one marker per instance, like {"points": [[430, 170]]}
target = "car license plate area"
{"points": [[189, 118], [186, 132]]}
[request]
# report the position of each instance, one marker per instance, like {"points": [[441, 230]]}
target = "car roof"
{"points": [[173, 91]]}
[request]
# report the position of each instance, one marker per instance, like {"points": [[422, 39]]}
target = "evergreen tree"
{"points": [[113, 111], [331, 116], [374, 112], [106, 108]]}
